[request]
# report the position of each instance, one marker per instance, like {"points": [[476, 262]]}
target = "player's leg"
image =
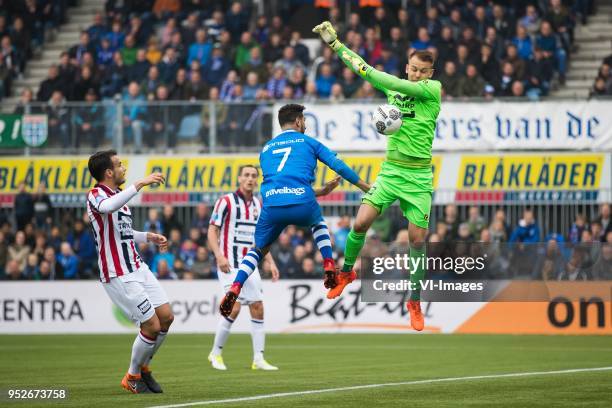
{"points": [[321, 236], [163, 311], [416, 208], [258, 335], [268, 228], [252, 294], [132, 299], [224, 328]]}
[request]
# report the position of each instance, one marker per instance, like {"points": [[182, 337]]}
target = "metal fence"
{"points": [[138, 125], [551, 217]]}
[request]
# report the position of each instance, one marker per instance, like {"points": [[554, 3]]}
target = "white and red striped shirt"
{"points": [[236, 217], [111, 220]]}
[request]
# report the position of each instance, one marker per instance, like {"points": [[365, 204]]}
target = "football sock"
{"points": [[417, 257], [320, 234], [247, 266], [223, 331], [258, 335], [354, 243], [141, 351], [158, 342]]}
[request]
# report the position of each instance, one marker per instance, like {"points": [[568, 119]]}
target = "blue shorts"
{"points": [[273, 220]]}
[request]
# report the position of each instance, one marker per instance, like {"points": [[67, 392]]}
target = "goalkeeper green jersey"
{"points": [[419, 103]]}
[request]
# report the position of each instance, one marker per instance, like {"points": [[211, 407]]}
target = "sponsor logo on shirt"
{"points": [[286, 190]]}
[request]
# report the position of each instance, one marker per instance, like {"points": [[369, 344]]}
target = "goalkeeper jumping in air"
{"points": [[406, 173]]}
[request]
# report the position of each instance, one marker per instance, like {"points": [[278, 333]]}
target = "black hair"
{"points": [[289, 113], [99, 162]]}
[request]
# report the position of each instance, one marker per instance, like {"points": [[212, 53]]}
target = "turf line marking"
{"points": [[394, 384]]}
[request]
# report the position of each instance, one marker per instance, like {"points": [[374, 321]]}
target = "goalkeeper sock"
{"points": [[354, 243], [417, 271]]}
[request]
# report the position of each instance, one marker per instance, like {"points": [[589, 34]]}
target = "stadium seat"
{"points": [[190, 126]]}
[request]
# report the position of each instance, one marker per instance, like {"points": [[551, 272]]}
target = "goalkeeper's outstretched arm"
{"points": [[378, 79]]}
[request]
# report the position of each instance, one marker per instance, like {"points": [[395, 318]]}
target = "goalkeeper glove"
{"points": [[328, 34]]}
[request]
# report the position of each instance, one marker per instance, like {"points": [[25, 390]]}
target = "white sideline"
{"points": [[394, 384]]}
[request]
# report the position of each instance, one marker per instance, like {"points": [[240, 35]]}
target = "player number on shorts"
{"points": [[286, 151]]}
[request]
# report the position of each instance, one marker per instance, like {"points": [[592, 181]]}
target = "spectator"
{"points": [[349, 82], [518, 89], [523, 43], [244, 48], [115, 37], [84, 83], [51, 84], [187, 253], [551, 50], [502, 22], [518, 64], [539, 73], [84, 247], [164, 272], [178, 90], [154, 54], [104, 53], [341, 233], [44, 271], [31, 268], [599, 88], [527, 231], [472, 84], [480, 23], [277, 83], [115, 77], [289, 61], [446, 46], [196, 89], [217, 25], [4, 244], [13, 272], [201, 49], [153, 224], [196, 236], [40, 244], [254, 64], [24, 106], [168, 66], [472, 43], [140, 68], [476, 223], [301, 51], [463, 59], [389, 62], [201, 219], [452, 220], [423, 40], [68, 261], [170, 221], [89, 121], [166, 257], [506, 80], [451, 81], [559, 18], [24, 206], [76, 52], [273, 50], [531, 21], [456, 23], [226, 91], [218, 67], [149, 85], [130, 50], [496, 43], [55, 268], [202, 265], [134, 114], [325, 81], [42, 207], [237, 20], [19, 251], [604, 219]]}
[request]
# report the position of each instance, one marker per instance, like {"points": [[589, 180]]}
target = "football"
{"points": [[387, 119]]}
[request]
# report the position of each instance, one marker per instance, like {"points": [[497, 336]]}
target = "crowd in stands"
{"points": [[603, 82], [195, 49], [34, 246], [24, 27]]}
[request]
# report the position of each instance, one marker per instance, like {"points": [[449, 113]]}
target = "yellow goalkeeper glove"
{"points": [[328, 34]]}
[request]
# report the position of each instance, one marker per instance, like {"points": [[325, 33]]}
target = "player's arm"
{"points": [[273, 268], [378, 79], [141, 237], [111, 204], [328, 157], [213, 245], [328, 187]]}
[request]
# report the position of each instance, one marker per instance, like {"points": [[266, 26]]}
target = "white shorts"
{"points": [[251, 290], [137, 294]]}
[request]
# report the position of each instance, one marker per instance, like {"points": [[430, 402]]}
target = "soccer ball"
{"points": [[387, 119]]}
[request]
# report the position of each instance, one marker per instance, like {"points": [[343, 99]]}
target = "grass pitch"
{"points": [[91, 367]]}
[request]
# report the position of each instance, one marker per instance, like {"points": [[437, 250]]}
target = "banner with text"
{"points": [[293, 306], [464, 126]]}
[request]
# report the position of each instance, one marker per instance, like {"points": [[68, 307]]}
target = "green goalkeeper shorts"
{"points": [[413, 187]]}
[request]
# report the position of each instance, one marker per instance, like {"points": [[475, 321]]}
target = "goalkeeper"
{"points": [[406, 173]]}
